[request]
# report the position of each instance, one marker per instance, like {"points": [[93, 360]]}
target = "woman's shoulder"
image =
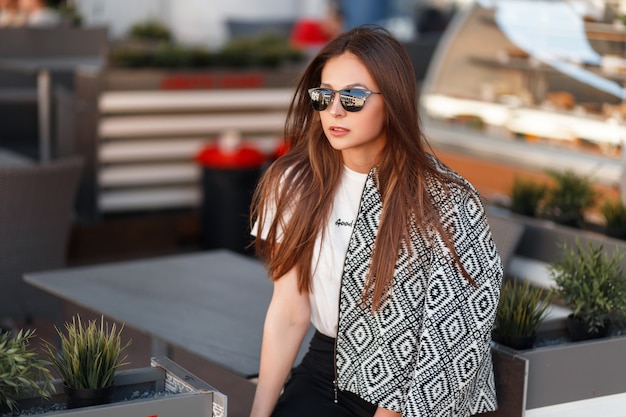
{"points": [[281, 170], [281, 179], [454, 182]]}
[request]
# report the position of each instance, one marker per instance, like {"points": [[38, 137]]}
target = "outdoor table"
{"points": [[210, 303]]}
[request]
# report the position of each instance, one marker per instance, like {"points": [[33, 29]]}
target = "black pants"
{"points": [[309, 391]]}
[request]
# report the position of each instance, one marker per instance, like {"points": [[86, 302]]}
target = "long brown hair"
{"points": [[303, 182]]}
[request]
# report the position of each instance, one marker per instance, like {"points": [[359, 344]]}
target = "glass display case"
{"points": [[531, 81]]}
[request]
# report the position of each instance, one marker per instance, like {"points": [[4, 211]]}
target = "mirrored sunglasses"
{"points": [[351, 100]]}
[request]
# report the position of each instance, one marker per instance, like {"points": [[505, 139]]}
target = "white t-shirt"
{"points": [[329, 255]]}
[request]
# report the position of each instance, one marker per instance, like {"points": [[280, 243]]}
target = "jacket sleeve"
{"points": [[454, 375]]}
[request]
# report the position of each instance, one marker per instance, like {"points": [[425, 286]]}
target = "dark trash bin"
{"points": [[229, 178]]}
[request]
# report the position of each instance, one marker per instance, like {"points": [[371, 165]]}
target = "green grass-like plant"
{"points": [[153, 30], [89, 354], [21, 369], [567, 201], [526, 196], [266, 50], [614, 213], [521, 309], [591, 283], [263, 51]]}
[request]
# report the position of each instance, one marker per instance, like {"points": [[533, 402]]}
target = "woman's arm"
{"points": [[286, 322]]}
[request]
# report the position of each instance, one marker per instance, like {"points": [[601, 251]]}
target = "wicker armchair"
{"points": [[506, 234], [36, 209]]}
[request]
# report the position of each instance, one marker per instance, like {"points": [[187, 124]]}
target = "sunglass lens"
{"points": [[353, 100], [320, 98]]}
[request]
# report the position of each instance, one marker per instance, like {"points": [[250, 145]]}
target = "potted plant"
{"points": [[567, 200], [526, 196], [614, 213], [593, 285], [151, 30], [87, 359], [521, 309], [150, 47], [21, 370]]}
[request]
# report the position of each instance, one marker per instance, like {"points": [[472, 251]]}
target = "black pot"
{"points": [[515, 342], [86, 397], [579, 330]]}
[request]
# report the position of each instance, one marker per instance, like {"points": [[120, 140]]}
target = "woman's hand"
{"points": [[383, 412]]}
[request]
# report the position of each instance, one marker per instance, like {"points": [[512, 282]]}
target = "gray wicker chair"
{"points": [[507, 234], [36, 209]]}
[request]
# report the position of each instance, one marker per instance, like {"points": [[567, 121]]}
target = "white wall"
{"points": [[120, 15], [201, 22]]}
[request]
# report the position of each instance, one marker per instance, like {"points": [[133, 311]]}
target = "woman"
{"points": [[38, 14], [10, 14], [378, 244]]}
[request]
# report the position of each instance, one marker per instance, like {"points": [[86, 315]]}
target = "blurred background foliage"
{"points": [[150, 44]]}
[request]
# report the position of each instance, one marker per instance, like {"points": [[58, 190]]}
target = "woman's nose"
{"points": [[335, 105]]}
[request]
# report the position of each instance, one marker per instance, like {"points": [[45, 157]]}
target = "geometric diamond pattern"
{"points": [[426, 351]]}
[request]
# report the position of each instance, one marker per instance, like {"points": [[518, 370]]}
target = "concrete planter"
{"points": [[558, 374], [177, 393], [575, 371], [540, 240], [558, 369]]}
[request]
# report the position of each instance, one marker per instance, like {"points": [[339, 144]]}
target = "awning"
{"points": [[553, 33]]}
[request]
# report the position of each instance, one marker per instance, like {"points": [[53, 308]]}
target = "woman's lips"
{"points": [[338, 131]]}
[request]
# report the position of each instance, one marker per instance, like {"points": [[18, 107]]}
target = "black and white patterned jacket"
{"points": [[426, 352]]}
